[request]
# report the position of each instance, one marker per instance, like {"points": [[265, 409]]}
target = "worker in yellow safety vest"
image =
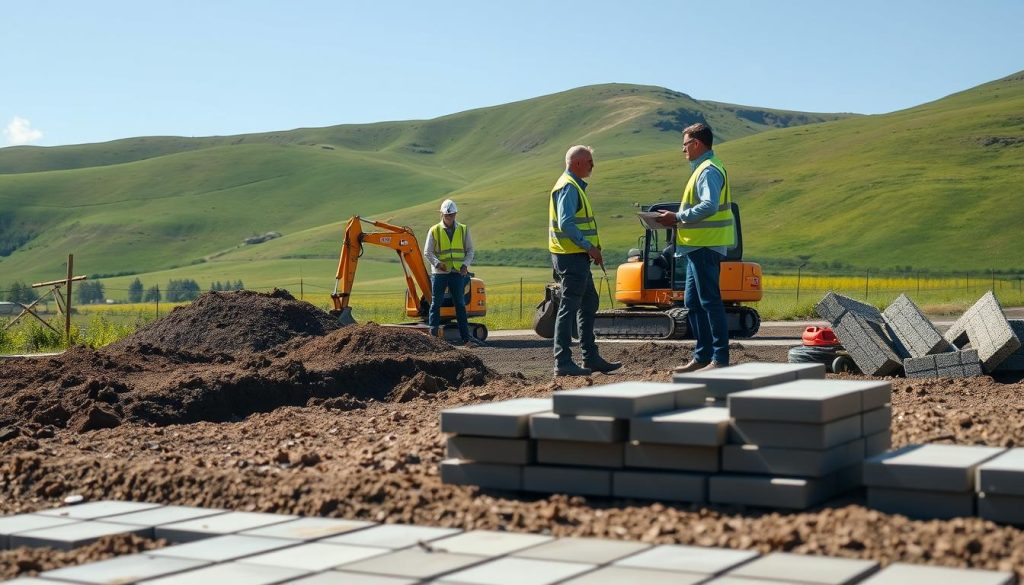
{"points": [[449, 251]]}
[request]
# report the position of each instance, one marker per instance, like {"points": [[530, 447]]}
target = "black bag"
{"points": [[547, 310]]}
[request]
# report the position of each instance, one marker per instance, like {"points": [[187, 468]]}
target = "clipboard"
{"points": [[650, 220]]}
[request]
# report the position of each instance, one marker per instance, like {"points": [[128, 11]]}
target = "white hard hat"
{"points": [[449, 206]]}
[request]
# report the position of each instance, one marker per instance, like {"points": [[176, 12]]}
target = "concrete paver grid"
{"points": [[230, 574], [490, 450], [623, 575], [949, 468], [414, 563], [594, 551], [606, 455], [345, 578], [486, 475], [508, 418], [124, 569], [913, 329], [164, 515], [69, 536], [906, 574], [807, 568], [393, 536], [665, 486], [707, 426], [810, 401], [223, 548], [98, 509], [985, 326], [309, 528], [1002, 475], [229, 523], [25, 522], [688, 559], [597, 429], [517, 571], [626, 400], [313, 556]]}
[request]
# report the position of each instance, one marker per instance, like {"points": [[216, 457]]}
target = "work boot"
{"points": [[473, 342], [599, 364], [693, 366], [711, 366], [571, 369]]}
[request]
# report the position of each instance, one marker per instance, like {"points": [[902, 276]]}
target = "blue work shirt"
{"points": [[567, 203], [709, 191]]}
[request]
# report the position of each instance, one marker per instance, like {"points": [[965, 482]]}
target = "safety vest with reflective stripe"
{"points": [[715, 230], [450, 251], [558, 241]]}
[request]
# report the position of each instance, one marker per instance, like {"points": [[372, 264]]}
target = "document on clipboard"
{"points": [[650, 220]]}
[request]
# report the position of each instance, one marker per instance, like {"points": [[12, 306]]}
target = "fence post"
{"points": [[967, 281], [158, 308], [520, 299], [300, 289], [993, 280], [67, 300], [918, 283], [867, 276]]}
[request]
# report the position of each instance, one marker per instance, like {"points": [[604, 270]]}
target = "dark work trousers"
{"points": [[706, 313], [580, 302], [456, 284]]}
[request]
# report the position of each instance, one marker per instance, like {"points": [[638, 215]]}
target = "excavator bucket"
{"points": [[345, 317]]}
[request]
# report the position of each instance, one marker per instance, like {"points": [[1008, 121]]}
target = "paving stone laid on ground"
{"points": [[231, 574], [164, 515], [414, 563], [124, 569], [597, 551], [98, 509], [688, 559], [626, 400], [622, 575], [67, 537], [781, 566], [722, 382], [313, 556], [905, 574], [393, 536], [27, 522], [985, 327], [347, 578], [219, 549], [517, 571], [509, 418], [228, 523], [308, 528]]}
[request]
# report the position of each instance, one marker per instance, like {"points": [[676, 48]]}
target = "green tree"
{"points": [[89, 292], [19, 292], [152, 294], [135, 291]]}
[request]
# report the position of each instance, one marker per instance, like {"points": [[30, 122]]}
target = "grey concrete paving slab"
{"points": [[219, 549], [876, 420], [509, 418], [1002, 509], [849, 478], [309, 528], [314, 556], [921, 504], [608, 455], [877, 444], [231, 574], [733, 580], [414, 563], [674, 457], [770, 492], [799, 462], [799, 371], [488, 543], [913, 329], [97, 510], [706, 426], [780, 566], [688, 559], [346, 578], [1015, 361], [490, 450], [906, 574], [518, 571], [724, 381], [622, 575], [393, 536], [123, 569], [795, 435], [594, 551], [809, 401], [34, 581], [486, 475], [164, 515], [229, 523], [628, 399], [71, 536], [1002, 475], [597, 429], [949, 468], [25, 522], [985, 327], [567, 480], [869, 345], [661, 485]]}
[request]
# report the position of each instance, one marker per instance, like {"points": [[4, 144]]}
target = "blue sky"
{"points": [[76, 72]]}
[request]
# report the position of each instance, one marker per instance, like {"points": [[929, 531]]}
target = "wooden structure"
{"points": [[63, 300]]}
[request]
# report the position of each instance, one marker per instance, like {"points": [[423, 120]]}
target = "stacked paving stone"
{"points": [[330, 551], [1000, 484]]}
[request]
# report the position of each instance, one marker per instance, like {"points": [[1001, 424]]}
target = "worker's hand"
{"points": [[595, 254], [464, 270], [666, 218], [442, 267]]}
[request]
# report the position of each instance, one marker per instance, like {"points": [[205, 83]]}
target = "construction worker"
{"points": [[574, 243], [449, 251], [705, 230]]}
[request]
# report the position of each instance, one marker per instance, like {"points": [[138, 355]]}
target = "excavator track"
{"points": [[654, 324]]}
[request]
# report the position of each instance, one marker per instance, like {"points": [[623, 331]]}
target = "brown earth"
{"points": [[367, 445]]}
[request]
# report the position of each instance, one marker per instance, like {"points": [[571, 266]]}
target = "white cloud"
{"points": [[20, 131]]}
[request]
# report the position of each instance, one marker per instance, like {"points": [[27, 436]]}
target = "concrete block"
{"points": [[164, 515], [223, 548], [707, 426], [97, 510], [594, 551], [393, 536], [628, 399], [74, 535], [488, 543], [877, 444], [833, 306], [516, 571], [346, 578], [799, 371], [660, 485], [913, 329], [724, 381], [948, 468], [490, 450], [785, 462], [33, 581], [905, 574], [688, 559], [596, 429], [868, 345], [770, 492], [619, 575], [1002, 509], [985, 327], [1015, 361], [607, 455], [921, 504], [1002, 475], [876, 420], [780, 566], [309, 528], [228, 523], [231, 574], [26, 522], [509, 418], [313, 556], [796, 435], [674, 457], [810, 401], [567, 480], [486, 475], [123, 569], [953, 364], [415, 563], [849, 478]]}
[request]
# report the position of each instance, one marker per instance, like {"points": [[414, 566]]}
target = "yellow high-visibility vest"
{"points": [[450, 251], [719, 228], [558, 241]]}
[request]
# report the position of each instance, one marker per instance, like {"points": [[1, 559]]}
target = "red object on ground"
{"points": [[820, 336]]}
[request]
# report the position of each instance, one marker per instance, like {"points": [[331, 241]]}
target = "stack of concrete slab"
{"points": [[800, 443], [722, 382], [929, 481], [1000, 483]]}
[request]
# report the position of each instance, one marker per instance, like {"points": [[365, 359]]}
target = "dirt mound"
{"points": [[234, 321]]}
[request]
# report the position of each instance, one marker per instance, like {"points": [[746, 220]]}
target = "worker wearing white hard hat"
{"points": [[449, 251]]}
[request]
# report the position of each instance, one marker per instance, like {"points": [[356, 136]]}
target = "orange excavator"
{"points": [[417, 278]]}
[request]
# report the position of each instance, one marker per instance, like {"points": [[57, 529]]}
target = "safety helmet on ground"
{"points": [[448, 206]]}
